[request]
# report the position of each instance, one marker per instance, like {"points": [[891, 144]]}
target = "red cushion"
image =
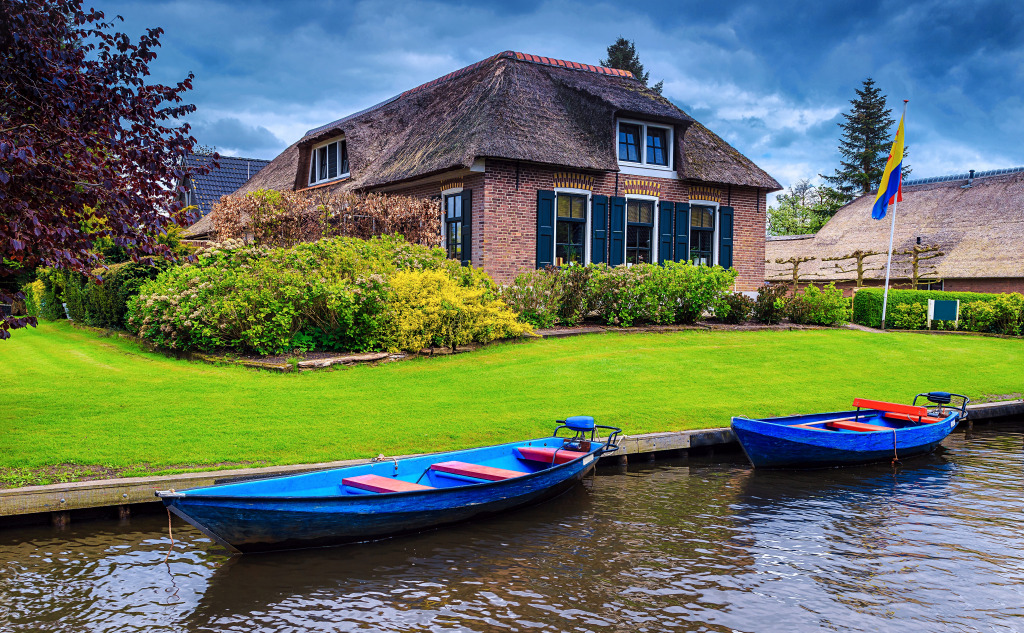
{"points": [[376, 483], [476, 470], [545, 455], [890, 407]]}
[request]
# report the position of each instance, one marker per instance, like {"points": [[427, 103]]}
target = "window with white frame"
{"points": [[645, 144], [570, 228], [702, 234], [328, 162], [639, 231]]}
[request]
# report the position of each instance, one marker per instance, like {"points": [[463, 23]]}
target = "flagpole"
{"points": [[892, 233]]}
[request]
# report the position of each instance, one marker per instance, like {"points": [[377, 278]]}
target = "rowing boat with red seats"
{"points": [[389, 497], [873, 431]]}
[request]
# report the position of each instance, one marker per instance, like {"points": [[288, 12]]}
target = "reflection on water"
{"points": [[665, 546]]}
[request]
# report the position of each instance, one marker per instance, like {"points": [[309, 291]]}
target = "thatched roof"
{"points": [[510, 106], [980, 230]]}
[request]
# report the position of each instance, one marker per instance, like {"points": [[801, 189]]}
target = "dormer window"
{"points": [[645, 144], [328, 162]]}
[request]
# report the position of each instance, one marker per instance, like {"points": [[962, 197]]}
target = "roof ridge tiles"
{"points": [[962, 176]]}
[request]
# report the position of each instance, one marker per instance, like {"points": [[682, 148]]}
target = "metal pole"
{"points": [[892, 234], [892, 230]]}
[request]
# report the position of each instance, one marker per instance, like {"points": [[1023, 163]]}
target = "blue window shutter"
{"points": [[545, 228], [725, 215], [599, 229], [666, 235], [467, 227], [617, 230], [682, 231]]}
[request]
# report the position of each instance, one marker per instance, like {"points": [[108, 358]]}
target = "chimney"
{"points": [[970, 179]]}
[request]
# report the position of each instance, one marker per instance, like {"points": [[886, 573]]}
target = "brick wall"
{"points": [[505, 216], [1005, 285]]}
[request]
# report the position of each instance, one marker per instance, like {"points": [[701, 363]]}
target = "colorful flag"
{"points": [[891, 186]]}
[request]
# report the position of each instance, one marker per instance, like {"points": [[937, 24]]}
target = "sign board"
{"points": [[943, 310]]}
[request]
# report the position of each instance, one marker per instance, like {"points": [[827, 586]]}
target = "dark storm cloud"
{"points": [[231, 135], [771, 78]]}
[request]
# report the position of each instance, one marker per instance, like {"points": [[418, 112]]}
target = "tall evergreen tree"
{"points": [[868, 130], [622, 55]]}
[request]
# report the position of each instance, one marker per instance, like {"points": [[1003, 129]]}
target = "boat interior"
{"points": [[445, 470], [873, 415]]}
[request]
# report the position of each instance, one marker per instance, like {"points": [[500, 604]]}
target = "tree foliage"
{"points": [[88, 149], [867, 134], [803, 209], [622, 55]]}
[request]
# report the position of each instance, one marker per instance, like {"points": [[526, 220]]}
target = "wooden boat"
{"points": [[387, 498], [875, 431]]}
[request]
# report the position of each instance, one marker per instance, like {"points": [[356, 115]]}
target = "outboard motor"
{"points": [[585, 431], [941, 400]]}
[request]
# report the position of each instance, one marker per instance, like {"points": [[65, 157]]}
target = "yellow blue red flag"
{"points": [[891, 187]]}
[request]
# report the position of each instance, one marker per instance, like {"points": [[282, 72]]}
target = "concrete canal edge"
{"points": [[115, 497]]}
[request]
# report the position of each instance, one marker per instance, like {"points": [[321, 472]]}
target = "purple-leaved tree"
{"points": [[88, 149]]}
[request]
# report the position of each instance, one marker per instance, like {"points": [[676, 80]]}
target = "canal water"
{"points": [[937, 545]]}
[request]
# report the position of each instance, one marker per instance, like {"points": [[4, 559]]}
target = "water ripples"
{"points": [[667, 546]]}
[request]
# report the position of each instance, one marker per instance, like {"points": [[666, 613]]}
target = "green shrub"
{"points": [[574, 294], [770, 305], [619, 295], [333, 294], [677, 292], [535, 295], [1004, 315], [819, 306], [735, 308], [867, 302], [908, 316]]}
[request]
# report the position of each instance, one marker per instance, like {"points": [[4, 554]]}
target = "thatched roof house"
{"points": [[522, 130], [976, 220]]}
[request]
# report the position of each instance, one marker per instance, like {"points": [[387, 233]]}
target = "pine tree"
{"points": [[867, 136], [622, 55]]}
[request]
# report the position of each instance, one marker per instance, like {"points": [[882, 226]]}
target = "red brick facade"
{"points": [[504, 217]]}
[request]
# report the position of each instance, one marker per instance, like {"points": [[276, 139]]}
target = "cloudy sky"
{"points": [[772, 78]]}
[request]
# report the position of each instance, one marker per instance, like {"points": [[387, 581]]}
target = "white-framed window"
{"points": [[643, 144], [572, 226], [328, 161], [704, 232]]}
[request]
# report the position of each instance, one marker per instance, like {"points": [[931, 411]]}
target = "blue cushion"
{"points": [[580, 423]]}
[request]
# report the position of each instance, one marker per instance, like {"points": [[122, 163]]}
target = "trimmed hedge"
{"points": [[908, 309], [867, 303], [98, 304]]}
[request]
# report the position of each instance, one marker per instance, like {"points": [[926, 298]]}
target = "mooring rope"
{"points": [[170, 533], [895, 455]]}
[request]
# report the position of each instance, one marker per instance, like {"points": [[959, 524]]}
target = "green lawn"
{"points": [[72, 397]]}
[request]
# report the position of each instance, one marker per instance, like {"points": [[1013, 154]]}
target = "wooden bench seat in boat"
{"points": [[476, 471], [850, 425], [545, 455], [376, 483]]}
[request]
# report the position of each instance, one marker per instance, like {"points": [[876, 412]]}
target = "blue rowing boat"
{"points": [[875, 431], [396, 496]]}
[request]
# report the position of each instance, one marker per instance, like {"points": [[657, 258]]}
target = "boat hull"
{"points": [[775, 443], [267, 523]]}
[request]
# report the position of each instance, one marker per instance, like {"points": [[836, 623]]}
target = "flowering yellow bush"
{"points": [[430, 309]]}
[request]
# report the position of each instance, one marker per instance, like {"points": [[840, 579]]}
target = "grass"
{"points": [[74, 402]]}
